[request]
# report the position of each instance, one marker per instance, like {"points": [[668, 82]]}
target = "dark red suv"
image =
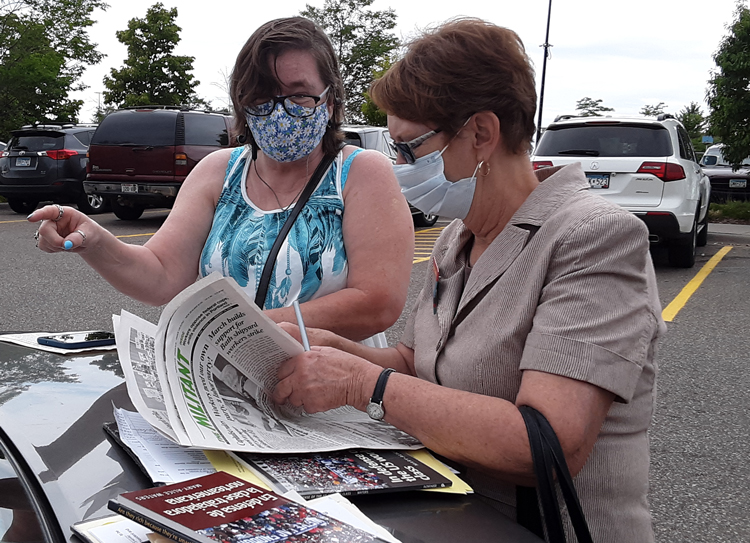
{"points": [[139, 157]]}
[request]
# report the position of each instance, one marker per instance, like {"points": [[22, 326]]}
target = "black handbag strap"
{"points": [[265, 277], [547, 454]]}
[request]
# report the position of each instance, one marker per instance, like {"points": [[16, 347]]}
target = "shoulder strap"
{"points": [[547, 454], [265, 277]]}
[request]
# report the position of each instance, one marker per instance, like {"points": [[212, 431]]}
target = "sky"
{"points": [[626, 53]]}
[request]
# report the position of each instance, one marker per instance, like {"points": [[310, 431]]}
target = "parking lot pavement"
{"points": [[733, 229], [730, 233]]}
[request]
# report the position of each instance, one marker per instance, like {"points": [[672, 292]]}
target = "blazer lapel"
{"points": [[501, 253], [452, 257]]}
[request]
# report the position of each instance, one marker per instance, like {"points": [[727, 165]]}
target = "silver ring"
{"points": [[60, 212], [36, 234], [83, 236]]}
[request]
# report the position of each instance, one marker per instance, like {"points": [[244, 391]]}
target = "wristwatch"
{"points": [[375, 407]]}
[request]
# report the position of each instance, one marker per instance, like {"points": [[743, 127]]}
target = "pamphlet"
{"points": [[222, 507], [344, 472]]}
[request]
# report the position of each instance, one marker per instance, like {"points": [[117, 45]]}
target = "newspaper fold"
{"points": [[204, 376]]}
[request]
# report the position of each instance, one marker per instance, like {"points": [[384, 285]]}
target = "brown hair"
{"points": [[253, 77], [462, 67]]}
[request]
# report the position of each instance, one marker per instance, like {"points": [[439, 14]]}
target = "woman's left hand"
{"points": [[325, 378]]}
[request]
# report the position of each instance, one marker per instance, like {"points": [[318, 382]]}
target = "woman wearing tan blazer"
{"points": [[539, 294]]}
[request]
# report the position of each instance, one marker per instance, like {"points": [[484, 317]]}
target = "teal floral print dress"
{"points": [[312, 261]]}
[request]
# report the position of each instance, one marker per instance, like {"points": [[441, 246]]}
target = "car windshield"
{"points": [[714, 157], [606, 140], [36, 142]]}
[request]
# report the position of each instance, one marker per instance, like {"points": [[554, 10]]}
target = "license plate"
{"points": [[598, 180], [737, 183], [21, 162], [129, 188]]}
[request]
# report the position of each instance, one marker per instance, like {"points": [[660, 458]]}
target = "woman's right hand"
{"points": [[63, 228]]}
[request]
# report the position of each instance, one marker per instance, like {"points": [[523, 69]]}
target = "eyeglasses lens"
{"points": [[261, 109], [405, 150], [299, 106]]}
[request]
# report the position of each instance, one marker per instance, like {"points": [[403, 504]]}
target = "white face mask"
{"points": [[425, 187]]}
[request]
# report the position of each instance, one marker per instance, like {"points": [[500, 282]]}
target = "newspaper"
{"points": [[204, 376]]}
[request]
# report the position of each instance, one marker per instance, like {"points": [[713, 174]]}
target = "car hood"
{"points": [[52, 409]]}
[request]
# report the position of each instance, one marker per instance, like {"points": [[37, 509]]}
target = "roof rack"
{"points": [[664, 116], [177, 108], [55, 125]]}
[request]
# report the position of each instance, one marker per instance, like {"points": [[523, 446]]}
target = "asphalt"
{"points": [[738, 234], [734, 229]]}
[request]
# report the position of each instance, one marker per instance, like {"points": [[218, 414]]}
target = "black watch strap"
{"points": [[375, 407], [377, 395]]}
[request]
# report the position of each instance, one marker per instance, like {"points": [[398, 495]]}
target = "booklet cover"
{"points": [[221, 507], [344, 472]]}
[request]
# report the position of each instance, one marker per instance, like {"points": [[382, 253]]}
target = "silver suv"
{"points": [[646, 165], [378, 138]]}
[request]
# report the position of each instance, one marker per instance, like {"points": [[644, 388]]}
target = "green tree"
{"points": [[152, 75], [653, 111], [588, 107], [694, 121], [728, 95], [372, 114], [44, 49], [363, 42]]}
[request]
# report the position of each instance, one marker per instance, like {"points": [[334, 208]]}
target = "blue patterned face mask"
{"points": [[285, 138]]}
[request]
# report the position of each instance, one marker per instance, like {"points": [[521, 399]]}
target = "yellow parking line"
{"points": [[670, 312], [424, 241]]}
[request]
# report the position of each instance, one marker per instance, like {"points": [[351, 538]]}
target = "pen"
{"points": [[301, 324]]}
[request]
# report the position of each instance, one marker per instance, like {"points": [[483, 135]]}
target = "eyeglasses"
{"points": [[296, 105], [406, 148]]}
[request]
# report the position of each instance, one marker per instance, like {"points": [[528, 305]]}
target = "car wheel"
{"points": [[125, 212], [702, 236], [20, 205], [681, 253], [422, 219], [91, 204]]}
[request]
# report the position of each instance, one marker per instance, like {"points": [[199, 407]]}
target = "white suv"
{"points": [[646, 165]]}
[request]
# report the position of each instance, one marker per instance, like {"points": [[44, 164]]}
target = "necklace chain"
{"points": [[282, 208]]}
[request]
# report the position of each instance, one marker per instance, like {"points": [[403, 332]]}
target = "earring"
{"points": [[483, 163]]}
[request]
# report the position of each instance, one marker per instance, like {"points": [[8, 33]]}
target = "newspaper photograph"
{"points": [[216, 357]]}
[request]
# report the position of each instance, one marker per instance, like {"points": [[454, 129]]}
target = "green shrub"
{"points": [[733, 209]]}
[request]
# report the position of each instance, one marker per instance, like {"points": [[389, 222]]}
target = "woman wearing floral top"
{"points": [[347, 258]]}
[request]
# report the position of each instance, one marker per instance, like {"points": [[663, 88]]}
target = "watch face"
{"points": [[375, 411]]}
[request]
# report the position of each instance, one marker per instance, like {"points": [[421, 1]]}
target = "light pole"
{"points": [[546, 46]]}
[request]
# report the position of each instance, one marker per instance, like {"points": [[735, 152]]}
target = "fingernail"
{"points": [[68, 245], [30, 215]]}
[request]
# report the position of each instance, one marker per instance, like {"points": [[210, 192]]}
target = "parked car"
{"points": [[139, 157], [47, 162], [58, 466], [378, 138], [646, 165], [726, 182]]}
